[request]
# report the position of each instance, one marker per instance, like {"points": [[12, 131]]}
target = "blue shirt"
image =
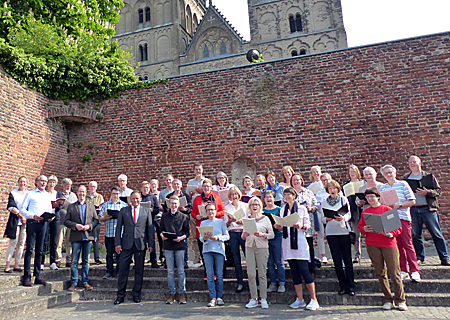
{"points": [[404, 193], [36, 202], [220, 230], [82, 208], [111, 224]]}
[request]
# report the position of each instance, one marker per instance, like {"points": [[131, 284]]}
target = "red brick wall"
{"points": [[370, 105], [30, 144]]}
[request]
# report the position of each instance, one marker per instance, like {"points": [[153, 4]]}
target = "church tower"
{"points": [[285, 28], [158, 32]]}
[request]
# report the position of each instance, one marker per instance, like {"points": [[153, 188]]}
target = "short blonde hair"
{"points": [[358, 173], [253, 199], [235, 190], [310, 172], [333, 183], [207, 181]]}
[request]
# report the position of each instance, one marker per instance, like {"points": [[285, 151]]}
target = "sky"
{"points": [[367, 21]]}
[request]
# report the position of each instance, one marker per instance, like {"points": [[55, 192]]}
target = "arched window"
{"points": [[145, 77], [147, 14], [141, 15], [302, 52], [295, 24], [294, 53], [140, 78], [141, 52], [298, 22], [206, 52], [145, 52], [223, 48], [292, 23]]}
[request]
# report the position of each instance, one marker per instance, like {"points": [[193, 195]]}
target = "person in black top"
{"points": [[174, 230], [149, 197]]}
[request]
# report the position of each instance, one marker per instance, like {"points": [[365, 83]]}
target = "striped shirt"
{"points": [[110, 225], [404, 193]]}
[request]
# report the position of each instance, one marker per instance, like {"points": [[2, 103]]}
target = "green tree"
{"points": [[63, 48]]}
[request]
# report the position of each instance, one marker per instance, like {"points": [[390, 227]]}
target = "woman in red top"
{"points": [[383, 251], [201, 200]]}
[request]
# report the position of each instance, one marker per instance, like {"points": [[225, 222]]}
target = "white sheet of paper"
{"points": [[202, 211], [352, 188], [192, 188], [315, 187], [183, 202], [203, 229], [250, 226], [238, 215], [146, 204], [288, 221]]}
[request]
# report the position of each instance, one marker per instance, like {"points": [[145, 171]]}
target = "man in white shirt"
{"points": [[34, 204], [124, 190]]}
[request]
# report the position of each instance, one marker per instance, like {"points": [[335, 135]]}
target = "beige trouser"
{"points": [[257, 257], [194, 243], [63, 236], [16, 245], [387, 257]]}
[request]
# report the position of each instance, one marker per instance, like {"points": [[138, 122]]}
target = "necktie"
{"points": [[134, 215]]}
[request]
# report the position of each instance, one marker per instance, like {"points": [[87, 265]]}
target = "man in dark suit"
{"points": [[81, 219], [137, 235]]}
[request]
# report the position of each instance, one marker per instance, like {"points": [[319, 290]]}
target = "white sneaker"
{"points": [[402, 306], [298, 304], [312, 305], [415, 276], [53, 266], [264, 304], [42, 267], [324, 260], [272, 288], [219, 302], [252, 304], [405, 275], [388, 306], [281, 289]]}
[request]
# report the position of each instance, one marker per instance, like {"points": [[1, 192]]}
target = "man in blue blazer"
{"points": [[136, 237]]}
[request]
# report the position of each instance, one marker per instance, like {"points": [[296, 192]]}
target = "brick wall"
{"points": [[30, 144], [370, 105]]}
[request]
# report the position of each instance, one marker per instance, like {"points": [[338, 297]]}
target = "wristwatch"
{"points": [[401, 205]]}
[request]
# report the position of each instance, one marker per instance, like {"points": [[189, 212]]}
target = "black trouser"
{"points": [[52, 229], [110, 250], [35, 235], [124, 270], [96, 242], [312, 263], [341, 250]]}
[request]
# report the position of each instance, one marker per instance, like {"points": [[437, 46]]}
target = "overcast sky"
{"points": [[367, 21]]}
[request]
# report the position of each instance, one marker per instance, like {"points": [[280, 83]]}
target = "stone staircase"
{"points": [[17, 301]]}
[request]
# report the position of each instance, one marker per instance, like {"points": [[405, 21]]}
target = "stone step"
{"points": [[427, 272], [322, 285], [19, 293], [325, 298], [9, 280], [26, 307]]}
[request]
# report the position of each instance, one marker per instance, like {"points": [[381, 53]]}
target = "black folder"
{"points": [[332, 213], [113, 213], [124, 199], [48, 215], [169, 235]]}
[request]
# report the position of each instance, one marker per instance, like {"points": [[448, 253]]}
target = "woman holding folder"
{"points": [[296, 250], [214, 252], [383, 252], [235, 229], [336, 213], [257, 251]]}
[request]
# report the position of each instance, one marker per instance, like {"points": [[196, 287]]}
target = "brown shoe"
{"points": [[88, 287], [445, 262], [68, 264], [72, 288], [170, 299], [58, 264], [27, 283], [182, 298], [40, 281]]}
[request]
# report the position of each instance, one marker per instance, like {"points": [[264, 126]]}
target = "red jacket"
{"points": [[377, 239], [199, 202]]}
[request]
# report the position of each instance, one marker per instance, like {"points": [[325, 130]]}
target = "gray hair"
{"points": [[367, 169], [66, 181], [93, 182], [417, 158], [54, 178], [39, 177], [388, 166], [122, 177]]}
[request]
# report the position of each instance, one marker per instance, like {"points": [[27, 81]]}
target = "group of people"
{"points": [[220, 226]]}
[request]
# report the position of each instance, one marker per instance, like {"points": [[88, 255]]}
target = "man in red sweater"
{"points": [[383, 251]]}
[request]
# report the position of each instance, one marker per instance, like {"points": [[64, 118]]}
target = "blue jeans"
{"points": [[236, 242], [77, 247], [275, 259], [172, 257], [419, 216], [214, 261]]}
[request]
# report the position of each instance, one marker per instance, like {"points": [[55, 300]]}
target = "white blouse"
{"points": [[302, 253]]}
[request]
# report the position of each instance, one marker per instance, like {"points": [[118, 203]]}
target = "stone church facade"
{"points": [[173, 37]]}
